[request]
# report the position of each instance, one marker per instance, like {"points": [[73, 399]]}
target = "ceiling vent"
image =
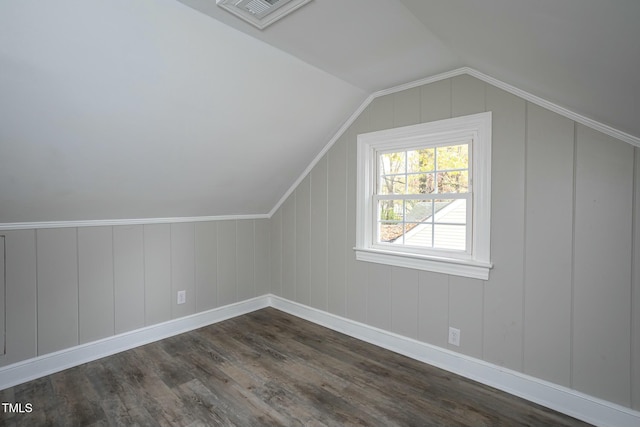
{"points": [[261, 13]]}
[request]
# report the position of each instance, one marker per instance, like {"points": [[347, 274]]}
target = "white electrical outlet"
{"points": [[182, 297], [454, 336]]}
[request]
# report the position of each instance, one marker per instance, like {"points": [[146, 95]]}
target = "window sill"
{"points": [[456, 267]]}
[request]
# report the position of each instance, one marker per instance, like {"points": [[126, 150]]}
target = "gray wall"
{"points": [[69, 286], [2, 297], [562, 302]]}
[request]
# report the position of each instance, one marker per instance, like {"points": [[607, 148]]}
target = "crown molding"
{"points": [[578, 118], [115, 222]]}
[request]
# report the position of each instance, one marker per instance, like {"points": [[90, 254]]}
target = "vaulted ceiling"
{"points": [[163, 108]]}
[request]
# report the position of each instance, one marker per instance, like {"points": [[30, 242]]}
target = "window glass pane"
{"points": [[450, 236], [419, 210], [420, 160], [395, 184], [392, 163], [439, 205], [451, 211], [439, 223], [390, 210], [390, 232], [420, 183], [418, 235], [453, 182], [453, 157], [390, 218]]}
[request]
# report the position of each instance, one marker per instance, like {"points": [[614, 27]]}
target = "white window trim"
{"points": [[476, 126]]}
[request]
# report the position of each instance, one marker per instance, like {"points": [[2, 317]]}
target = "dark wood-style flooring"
{"points": [[262, 369]]}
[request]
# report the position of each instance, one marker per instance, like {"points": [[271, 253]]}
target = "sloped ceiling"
{"points": [[580, 54], [148, 109], [372, 44], [162, 108]]}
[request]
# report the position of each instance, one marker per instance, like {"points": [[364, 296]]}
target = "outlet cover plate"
{"points": [[182, 297], [454, 336]]}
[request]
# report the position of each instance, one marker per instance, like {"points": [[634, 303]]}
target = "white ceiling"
{"points": [[581, 54], [133, 109], [372, 44]]}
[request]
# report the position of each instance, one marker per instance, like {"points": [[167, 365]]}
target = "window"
{"points": [[424, 196]]}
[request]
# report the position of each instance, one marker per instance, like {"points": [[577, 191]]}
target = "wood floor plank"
{"points": [[119, 398], [373, 377], [74, 391], [39, 393], [270, 385], [325, 390], [267, 368]]}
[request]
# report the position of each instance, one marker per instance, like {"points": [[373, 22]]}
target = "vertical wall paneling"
{"points": [[318, 236], [379, 295], [635, 291], [289, 248], [95, 281], [357, 291], [465, 311], [548, 245], [466, 295], [276, 252], [206, 242], [602, 278], [435, 101], [57, 269], [21, 316], [262, 257], [503, 298], [381, 113], [157, 273], [433, 299], [407, 107], [302, 240], [246, 261], [227, 250], [128, 270], [3, 301], [183, 268], [337, 226], [404, 282], [433, 308], [404, 301], [356, 275], [562, 303], [467, 96]]}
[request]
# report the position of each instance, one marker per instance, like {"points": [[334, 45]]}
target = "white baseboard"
{"points": [[47, 364], [562, 399], [579, 405]]}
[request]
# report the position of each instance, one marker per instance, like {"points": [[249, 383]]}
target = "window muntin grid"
{"points": [[423, 197]]}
